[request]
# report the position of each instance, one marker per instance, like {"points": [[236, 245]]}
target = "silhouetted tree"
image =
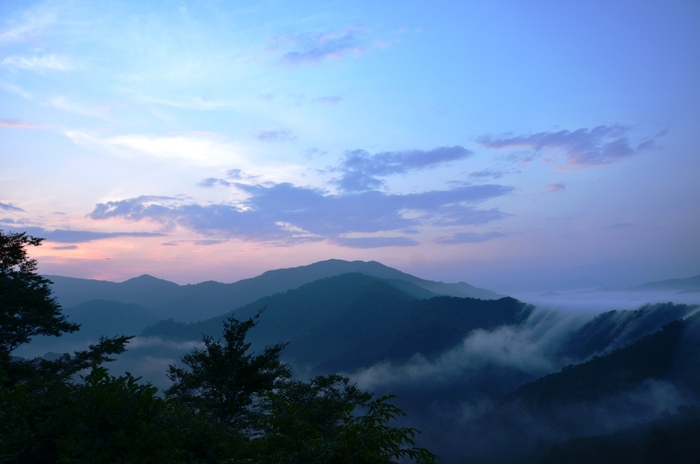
{"points": [[226, 404], [325, 420], [224, 378], [28, 309], [330, 420]]}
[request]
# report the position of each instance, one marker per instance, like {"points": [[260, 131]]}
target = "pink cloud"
{"points": [[19, 124], [558, 187]]}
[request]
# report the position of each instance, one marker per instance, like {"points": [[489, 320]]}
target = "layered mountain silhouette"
{"points": [[486, 378], [691, 284], [208, 299], [353, 320]]}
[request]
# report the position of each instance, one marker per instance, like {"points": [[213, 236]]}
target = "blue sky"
{"points": [[452, 140]]}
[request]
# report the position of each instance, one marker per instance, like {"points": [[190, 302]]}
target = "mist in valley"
{"points": [[459, 397]]}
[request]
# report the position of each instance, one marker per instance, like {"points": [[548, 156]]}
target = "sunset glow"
{"points": [[204, 141]]}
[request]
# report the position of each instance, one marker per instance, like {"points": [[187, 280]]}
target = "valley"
{"points": [[485, 377]]}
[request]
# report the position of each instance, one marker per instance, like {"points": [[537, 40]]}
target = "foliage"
{"points": [[224, 378], [27, 308], [328, 420], [40, 371], [104, 419], [349, 321], [325, 420], [225, 405]]}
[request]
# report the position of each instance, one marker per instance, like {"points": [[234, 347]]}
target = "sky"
{"points": [[456, 141]]}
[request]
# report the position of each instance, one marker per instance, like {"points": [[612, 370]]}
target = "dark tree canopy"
{"points": [[226, 403], [330, 420], [224, 378], [27, 307], [281, 420]]}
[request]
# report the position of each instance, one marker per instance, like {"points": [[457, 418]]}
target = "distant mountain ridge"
{"points": [[484, 379], [353, 320], [208, 299], [690, 284]]}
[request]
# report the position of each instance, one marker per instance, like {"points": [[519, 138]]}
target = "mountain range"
{"points": [[487, 378], [208, 299]]}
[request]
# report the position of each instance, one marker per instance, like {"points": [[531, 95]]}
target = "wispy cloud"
{"points": [[374, 242], [33, 20], [81, 236], [189, 103], [208, 242], [37, 63], [67, 247], [620, 225], [213, 182], [558, 187], [581, 148], [328, 100], [470, 237], [362, 171], [277, 135], [9, 207], [19, 124], [200, 149], [314, 48], [232, 175], [67, 104], [289, 214], [492, 173]]}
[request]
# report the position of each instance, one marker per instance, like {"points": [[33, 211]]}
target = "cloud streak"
{"points": [[290, 214], [328, 100], [18, 124], [81, 236], [580, 148], [36, 63], [526, 347], [278, 135], [316, 48], [375, 242], [9, 207], [558, 187], [470, 237], [361, 170]]}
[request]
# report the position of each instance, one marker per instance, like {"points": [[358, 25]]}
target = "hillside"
{"points": [[615, 329], [650, 357], [690, 284], [486, 380], [204, 300], [673, 438], [353, 320]]}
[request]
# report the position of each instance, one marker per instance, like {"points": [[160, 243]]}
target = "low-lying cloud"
{"points": [[526, 348]]}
